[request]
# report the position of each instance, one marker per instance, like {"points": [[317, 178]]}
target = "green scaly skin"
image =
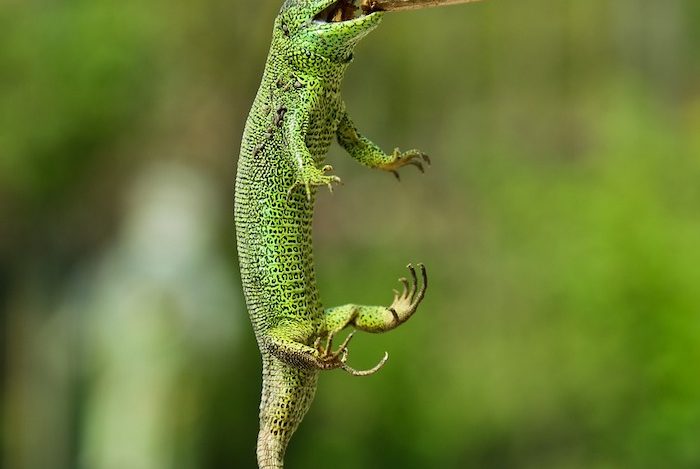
{"points": [[296, 114]]}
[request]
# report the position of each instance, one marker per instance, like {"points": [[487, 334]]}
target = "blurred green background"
{"points": [[560, 223]]}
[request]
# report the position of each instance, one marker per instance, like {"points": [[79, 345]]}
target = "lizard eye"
{"points": [[342, 10]]}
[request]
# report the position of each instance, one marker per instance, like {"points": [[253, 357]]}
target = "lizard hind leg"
{"points": [[377, 319]]}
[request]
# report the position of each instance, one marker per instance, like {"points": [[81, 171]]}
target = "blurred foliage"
{"points": [[560, 224]]}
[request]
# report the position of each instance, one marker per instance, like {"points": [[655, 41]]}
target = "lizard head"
{"points": [[329, 28]]}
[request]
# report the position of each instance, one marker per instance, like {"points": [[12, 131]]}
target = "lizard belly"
{"points": [[274, 227], [275, 246]]}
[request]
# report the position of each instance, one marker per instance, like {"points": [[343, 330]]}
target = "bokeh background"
{"points": [[560, 223]]}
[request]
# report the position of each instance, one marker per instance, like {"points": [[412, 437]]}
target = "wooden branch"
{"points": [[369, 6]]}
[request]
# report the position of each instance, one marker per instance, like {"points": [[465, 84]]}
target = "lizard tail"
{"points": [[286, 396]]}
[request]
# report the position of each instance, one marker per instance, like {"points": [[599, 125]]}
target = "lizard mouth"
{"points": [[338, 12]]}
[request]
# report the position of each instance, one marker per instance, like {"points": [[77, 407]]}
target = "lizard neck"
{"points": [[304, 61], [317, 66]]}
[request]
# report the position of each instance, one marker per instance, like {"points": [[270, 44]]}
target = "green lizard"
{"points": [[298, 111]]}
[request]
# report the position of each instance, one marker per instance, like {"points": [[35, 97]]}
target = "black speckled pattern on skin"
{"points": [[297, 113]]}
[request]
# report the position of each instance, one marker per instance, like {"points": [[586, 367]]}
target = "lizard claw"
{"points": [[331, 179], [311, 177], [411, 157], [371, 371], [406, 303], [418, 165], [329, 360]]}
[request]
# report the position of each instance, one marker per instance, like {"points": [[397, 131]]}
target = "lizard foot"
{"points": [[327, 358], [406, 302], [330, 360], [309, 177], [411, 157]]}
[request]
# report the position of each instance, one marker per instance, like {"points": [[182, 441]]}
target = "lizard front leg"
{"points": [[296, 124], [369, 154]]}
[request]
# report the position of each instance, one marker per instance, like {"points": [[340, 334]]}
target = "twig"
{"points": [[396, 5]]}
